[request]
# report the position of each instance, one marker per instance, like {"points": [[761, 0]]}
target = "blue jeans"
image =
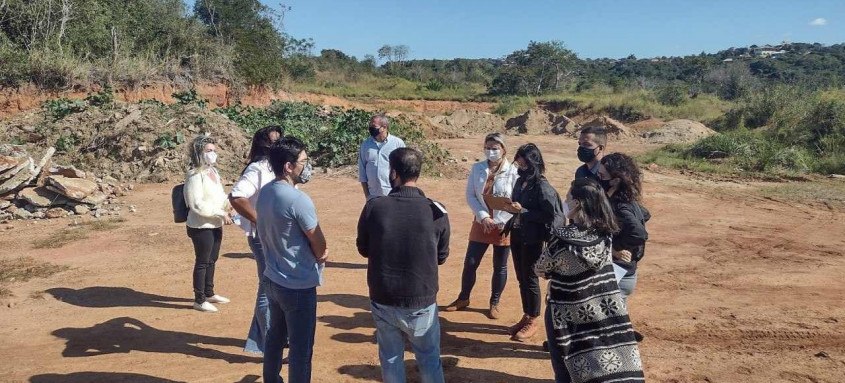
{"points": [[559, 368], [422, 328], [261, 317], [293, 317], [475, 252], [627, 284]]}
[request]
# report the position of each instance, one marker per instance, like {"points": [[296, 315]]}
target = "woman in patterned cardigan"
{"points": [[590, 336]]}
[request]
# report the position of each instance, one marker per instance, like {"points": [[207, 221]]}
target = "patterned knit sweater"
{"points": [[592, 332]]}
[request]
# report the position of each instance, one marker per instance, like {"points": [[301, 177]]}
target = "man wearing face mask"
{"points": [[405, 236], [373, 163], [591, 145], [295, 253]]}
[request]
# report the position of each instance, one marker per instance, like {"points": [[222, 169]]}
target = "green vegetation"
{"points": [[782, 130], [332, 136]]}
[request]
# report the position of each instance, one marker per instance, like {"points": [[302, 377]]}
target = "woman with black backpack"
{"points": [[536, 205], [208, 212], [589, 333]]}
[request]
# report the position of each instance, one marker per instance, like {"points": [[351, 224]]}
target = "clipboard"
{"points": [[498, 203]]}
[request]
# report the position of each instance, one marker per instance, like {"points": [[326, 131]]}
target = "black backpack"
{"points": [[180, 208]]}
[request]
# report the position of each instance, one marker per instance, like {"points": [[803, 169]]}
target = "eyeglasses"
{"points": [[304, 161]]}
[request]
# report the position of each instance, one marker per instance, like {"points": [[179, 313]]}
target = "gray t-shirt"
{"points": [[284, 214]]}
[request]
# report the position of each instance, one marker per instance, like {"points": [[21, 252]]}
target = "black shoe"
{"points": [[546, 346], [639, 337]]}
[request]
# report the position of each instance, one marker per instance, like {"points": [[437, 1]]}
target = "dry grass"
{"points": [[77, 233], [25, 268], [830, 192]]}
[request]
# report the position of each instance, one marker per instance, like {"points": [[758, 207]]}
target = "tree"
{"points": [[540, 68]]}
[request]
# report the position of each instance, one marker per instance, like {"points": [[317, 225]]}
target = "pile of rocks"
{"points": [[38, 190]]}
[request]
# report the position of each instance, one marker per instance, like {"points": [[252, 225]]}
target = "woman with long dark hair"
{"points": [[589, 333], [535, 204], [243, 197]]}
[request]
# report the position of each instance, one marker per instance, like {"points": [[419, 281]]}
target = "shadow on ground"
{"points": [[124, 334], [103, 296], [451, 369]]}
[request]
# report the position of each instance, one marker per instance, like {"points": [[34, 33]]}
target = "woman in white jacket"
{"points": [[494, 176], [208, 212]]}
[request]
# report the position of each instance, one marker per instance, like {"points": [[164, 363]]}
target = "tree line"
{"points": [[57, 44]]}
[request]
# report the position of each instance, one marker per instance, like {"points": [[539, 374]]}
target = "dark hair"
{"points": [[625, 168], [594, 211], [533, 158], [285, 150], [261, 142], [407, 163], [599, 132]]}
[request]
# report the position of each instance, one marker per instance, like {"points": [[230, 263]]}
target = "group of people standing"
{"points": [[586, 244]]}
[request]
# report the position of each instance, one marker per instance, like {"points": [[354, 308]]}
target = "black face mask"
{"points": [[586, 155], [375, 131], [524, 173], [605, 184]]}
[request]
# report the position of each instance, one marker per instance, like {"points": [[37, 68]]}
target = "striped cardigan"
{"points": [[592, 332]]}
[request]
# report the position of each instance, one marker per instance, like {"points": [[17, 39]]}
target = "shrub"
{"points": [[672, 95], [63, 107], [104, 97]]}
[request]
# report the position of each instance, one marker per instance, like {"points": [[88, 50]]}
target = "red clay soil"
{"points": [[734, 288]]}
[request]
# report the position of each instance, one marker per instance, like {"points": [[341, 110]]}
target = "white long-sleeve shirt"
{"points": [[207, 201], [256, 175]]}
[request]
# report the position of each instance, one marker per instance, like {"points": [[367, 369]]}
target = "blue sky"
{"points": [[591, 28]]}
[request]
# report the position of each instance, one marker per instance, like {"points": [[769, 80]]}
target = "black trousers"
{"points": [[475, 252], [206, 249], [525, 255]]}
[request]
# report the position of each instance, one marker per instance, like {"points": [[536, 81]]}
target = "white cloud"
{"points": [[820, 22]]}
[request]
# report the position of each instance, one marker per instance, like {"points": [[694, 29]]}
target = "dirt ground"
{"points": [[735, 287]]}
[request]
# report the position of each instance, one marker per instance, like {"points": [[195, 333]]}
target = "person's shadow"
{"points": [[450, 343], [103, 296], [451, 371], [94, 377], [123, 335]]}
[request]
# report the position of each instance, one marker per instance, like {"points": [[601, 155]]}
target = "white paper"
{"points": [[619, 272]]}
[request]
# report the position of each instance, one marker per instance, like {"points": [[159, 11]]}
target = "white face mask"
{"points": [[493, 154], [210, 158]]}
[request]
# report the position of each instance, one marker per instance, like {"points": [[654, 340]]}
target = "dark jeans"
{"points": [[475, 252], [559, 368], [293, 319], [206, 249], [525, 255]]}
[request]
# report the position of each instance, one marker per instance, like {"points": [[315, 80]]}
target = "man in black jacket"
{"points": [[405, 236]]}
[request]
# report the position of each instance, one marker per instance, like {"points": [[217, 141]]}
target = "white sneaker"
{"points": [[205, 307], [217, 299]]}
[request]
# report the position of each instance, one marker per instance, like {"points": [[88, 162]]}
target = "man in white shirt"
{"points": [[373, 158]]}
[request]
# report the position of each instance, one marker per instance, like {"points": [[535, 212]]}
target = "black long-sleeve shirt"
{"points": [[632, 234], [404, 236]]}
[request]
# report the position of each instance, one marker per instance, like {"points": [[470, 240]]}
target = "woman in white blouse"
{"points": [[494, 176], [208, 212], [243, 197]]}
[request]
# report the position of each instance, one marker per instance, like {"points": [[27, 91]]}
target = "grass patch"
{"points": [[80, 232], [63, 237], [394, 88], [25, 268], [824, 191]]}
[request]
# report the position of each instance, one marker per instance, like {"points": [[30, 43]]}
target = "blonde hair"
{"points": [[197, 147]]}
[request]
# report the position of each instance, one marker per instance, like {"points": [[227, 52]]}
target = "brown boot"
{"points": [[457, 305], [494, 312], [518, 326], [528, 331]]}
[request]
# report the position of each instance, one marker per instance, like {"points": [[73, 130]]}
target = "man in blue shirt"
{"points": [[295, 252], [373, 158]]}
